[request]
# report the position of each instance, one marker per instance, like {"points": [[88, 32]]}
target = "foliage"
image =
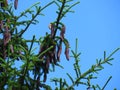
{"points": [[15, 48]]}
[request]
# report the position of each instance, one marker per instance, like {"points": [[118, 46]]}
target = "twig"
{"points": [[38, 12], [59, 17], [106, 82], [92, 69]]}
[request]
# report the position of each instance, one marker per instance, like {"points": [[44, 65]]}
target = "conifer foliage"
{"points": [[15, 48]]}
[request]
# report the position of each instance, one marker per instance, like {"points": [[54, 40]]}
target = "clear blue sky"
{"points": [[96, 24]]}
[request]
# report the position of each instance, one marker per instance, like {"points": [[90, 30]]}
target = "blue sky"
{"points": [[96, 24]]}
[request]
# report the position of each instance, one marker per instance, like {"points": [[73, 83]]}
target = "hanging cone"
{"points": [[15, 4]]}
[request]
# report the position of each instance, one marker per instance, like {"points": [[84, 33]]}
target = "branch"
{"points": [[59, 17], [33, 18], [106, 83], [94, 68]]}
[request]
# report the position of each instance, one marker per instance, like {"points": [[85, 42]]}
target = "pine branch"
{"points": [[106, 83], [39, 10], [94, 68], [59, 17]]}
